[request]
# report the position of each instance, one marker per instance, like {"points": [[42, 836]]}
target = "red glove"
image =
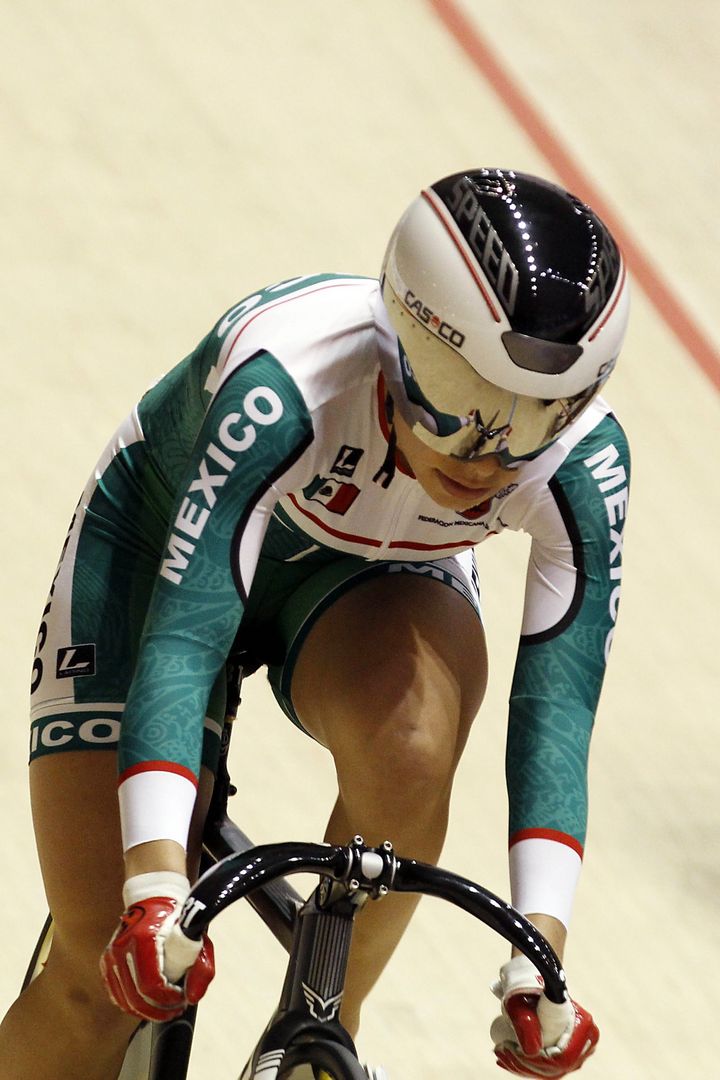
{"points": [[151, 970], [533, 1036]]}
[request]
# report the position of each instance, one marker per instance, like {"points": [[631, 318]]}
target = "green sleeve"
{"points": [[559, 671], [255, 429]]}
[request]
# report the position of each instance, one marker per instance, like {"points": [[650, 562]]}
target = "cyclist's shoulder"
{"points": [[597, 460], [326, 331], [595, 440], [575, 475], [319, 335], [602, 428], [300, 311]]}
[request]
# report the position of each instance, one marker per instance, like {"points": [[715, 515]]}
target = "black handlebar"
{"points": [[239, 874], [500, 916], [372, 870]]}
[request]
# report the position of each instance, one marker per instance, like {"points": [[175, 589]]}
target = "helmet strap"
{"points": [[386, 473]]}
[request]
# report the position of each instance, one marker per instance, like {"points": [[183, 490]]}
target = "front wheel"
{"points": [[320, 1061]]}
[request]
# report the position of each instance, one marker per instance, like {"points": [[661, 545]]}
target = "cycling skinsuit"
{"points": [[246, 492]]}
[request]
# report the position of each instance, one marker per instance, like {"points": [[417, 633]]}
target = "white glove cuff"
{"points": [[518, 976], [158, 883]]}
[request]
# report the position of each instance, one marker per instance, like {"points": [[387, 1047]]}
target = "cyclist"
{"points": [[307, 487]]}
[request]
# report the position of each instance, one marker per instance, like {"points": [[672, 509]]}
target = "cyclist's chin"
{"points": [[453, 495]]}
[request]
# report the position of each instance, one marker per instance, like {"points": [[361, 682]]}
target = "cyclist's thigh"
{"points": [[377, 631], [91, 625]]}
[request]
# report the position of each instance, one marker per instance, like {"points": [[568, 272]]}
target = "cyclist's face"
{"points": [[454, 484]]}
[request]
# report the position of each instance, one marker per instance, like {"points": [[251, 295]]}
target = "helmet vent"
{"points": [[535, 354]]}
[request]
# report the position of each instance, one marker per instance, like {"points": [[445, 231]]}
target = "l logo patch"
{"points": [[347, 460], [75, 661]]}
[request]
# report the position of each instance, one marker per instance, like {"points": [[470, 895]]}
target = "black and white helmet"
{"points": [[510, 301]]}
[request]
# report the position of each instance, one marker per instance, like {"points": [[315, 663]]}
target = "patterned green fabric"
{"points": [[182, 653], [558, 676], [120, 541]]}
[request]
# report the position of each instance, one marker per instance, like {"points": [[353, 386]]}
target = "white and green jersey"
{"points": [[272, 437]]}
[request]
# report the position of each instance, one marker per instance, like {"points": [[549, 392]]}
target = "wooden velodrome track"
{"points": [[161, 160]]}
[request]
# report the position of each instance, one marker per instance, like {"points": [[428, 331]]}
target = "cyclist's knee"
{"points": [[404, 720], [413, 758], [403, 775]]}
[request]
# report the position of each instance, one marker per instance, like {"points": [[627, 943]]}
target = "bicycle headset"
{"points": [[510, 299]]}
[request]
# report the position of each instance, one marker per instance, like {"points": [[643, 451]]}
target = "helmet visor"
{"points": [[455, 411]]}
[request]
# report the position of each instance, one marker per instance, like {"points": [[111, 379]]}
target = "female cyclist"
{"points": [[307, 486]]}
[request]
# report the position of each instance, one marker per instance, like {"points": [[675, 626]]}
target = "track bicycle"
{"points": [[305, 1039]]}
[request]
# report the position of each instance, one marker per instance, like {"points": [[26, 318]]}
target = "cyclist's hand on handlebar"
{"points": [[151, 970], [533, 1036]]}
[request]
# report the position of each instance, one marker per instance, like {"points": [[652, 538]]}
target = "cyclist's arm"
{"points": [[570, 610], [255, 431]]}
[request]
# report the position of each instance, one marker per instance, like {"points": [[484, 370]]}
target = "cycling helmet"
{"points": [[509, 298]]}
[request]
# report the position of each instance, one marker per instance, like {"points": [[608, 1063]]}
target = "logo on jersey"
{"points": [[237, 432], [608, 470], [333, 494], [72, 733], [75, 662], [347, 460]]}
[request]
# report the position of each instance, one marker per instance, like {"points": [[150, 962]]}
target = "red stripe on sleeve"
{"points": [[158, 766], [547, 834]]}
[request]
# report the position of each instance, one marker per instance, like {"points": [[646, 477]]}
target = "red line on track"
{"points": [[661, 295]]}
